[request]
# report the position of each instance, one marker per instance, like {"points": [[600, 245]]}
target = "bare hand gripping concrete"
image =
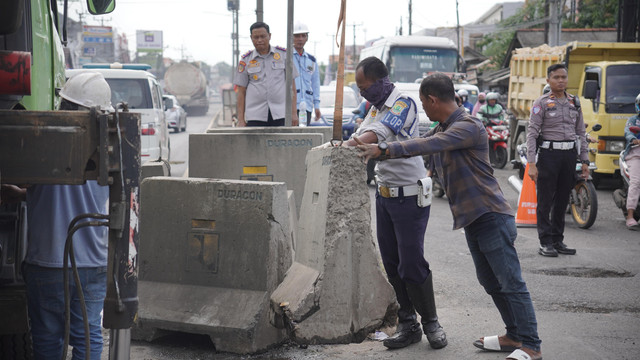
{"points": [[211, 254], [336, 291]]}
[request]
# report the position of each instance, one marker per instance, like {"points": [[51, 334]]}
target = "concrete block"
{"points": [[326, 131], [154, 168], [253, 156], [211, 253], [293, 219], [336, 290]]}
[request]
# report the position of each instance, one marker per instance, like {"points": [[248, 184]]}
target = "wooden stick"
{"points": [[337, 111]]}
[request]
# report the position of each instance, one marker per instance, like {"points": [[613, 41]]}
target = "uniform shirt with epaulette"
{"points": [[397, 120], [555, 119], [264, 78], [308, 83]]}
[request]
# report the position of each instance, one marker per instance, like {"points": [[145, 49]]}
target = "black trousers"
{"points": [[556, 178], [270, 121]]}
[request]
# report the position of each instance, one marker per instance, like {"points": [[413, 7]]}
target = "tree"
{"points": [[495, 45], [594, 14]]}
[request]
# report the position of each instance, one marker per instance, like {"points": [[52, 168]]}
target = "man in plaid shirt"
{"points": [[461, 157]]}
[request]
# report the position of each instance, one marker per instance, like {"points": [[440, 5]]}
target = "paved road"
{"points": [[588, 305]]}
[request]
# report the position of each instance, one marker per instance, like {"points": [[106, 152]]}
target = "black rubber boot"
{"points": [[422, 298], [408, 331]]}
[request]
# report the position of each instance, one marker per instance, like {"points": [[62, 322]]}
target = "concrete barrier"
{"points": [[253, 156], [335, 292], [326, 131], [211, 254], [154, 168]]}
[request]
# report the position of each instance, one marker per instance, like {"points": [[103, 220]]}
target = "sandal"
{"points": [[492, 343], [521, 354]]}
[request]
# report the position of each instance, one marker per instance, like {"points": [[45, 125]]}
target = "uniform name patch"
{"points": [[396, 117], [535, 110]]}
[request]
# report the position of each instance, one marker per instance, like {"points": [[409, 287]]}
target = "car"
{"points": [[132, 84], [350, 102], [174, 113]]}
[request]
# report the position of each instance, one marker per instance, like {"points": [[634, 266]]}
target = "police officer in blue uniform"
{"points": [[260, 78], [308, 83], [556, 130], [401, 213]]}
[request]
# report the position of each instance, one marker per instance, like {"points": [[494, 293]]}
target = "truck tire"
{"points": [[16, 346]]}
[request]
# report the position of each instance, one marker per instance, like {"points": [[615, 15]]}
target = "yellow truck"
{"points": [[606, 77]]}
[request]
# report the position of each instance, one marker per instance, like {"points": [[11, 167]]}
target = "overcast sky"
{"points": [[201, 29]]}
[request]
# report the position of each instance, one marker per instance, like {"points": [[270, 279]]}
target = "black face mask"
{"points": [[481, 101]]}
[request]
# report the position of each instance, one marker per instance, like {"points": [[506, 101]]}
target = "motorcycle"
{"points": [[583, 200], [498, 133], [620, 195]]}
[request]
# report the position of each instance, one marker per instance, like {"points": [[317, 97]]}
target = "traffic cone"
{"points": [[527, 202]]}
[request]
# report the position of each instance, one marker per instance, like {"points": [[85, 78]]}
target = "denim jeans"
{"points": [[45, 298], [490, 239]]}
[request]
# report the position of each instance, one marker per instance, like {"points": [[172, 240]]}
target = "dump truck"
{"points": [[606, 78], [187, 83]]}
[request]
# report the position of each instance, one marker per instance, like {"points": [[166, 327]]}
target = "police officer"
{"points": [[556, 129], [401, 220], [260, 78], [308, 83]]}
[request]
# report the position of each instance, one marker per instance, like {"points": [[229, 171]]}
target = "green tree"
{"points": [[594, 14], [495, 45]]}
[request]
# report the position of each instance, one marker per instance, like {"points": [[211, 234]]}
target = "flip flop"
{"points": [[521, 355], [492, 343]]}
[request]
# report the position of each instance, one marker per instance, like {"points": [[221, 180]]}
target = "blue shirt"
{"points": [[50, 209], [308, 83]]}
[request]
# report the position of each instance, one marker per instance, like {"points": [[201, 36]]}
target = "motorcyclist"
{"points": [[491, 110], [631, 156], [464, 96], [482, 99]]}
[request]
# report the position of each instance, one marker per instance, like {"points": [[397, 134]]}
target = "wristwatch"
{"points": [[383, 147]]}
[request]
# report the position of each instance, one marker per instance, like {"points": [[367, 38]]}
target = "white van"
{"points": [[141, 91]]}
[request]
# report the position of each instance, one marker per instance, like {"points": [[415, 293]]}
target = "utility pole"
{"points": [[355, 59], [458, 25], [259, 11], [410, 16], [554, 24], [234, 6], [289, 64], [400, 32]]}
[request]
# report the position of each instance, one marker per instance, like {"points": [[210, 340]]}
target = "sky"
{"points": [[201, 30]]}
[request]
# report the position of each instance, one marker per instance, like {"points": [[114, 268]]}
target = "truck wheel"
{"points": [[16, 346], [584, 204]]}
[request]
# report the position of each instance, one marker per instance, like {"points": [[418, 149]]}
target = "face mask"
{"points": [[378, 92], [481, 101]]}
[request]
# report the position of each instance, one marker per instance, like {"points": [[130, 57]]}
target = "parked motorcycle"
{"points": [[498, 133], [583, 200], [620, 195]]}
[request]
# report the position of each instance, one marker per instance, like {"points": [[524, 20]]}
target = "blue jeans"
{"points": [[45, 298], [490, 238]]}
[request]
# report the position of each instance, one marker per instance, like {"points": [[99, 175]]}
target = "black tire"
{"points": [[185, 125], [584, 204], [16, 346], [500, 158]]}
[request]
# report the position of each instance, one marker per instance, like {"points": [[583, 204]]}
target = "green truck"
{"points": [[32, 71]]}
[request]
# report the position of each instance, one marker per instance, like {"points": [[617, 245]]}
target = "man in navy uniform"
{"points": [[308, 83]]}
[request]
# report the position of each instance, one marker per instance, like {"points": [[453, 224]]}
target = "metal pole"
{"points": [[289, 65], [554, 28], [236, 41], [410, 16], [259, 11], [458, 25]]}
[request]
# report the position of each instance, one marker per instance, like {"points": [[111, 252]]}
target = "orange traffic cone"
{"points": [[527, 202]]}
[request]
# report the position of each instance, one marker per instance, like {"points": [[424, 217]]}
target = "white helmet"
{"points": [[300, 28], [492, 96], [463, 92], [88, 89]]}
